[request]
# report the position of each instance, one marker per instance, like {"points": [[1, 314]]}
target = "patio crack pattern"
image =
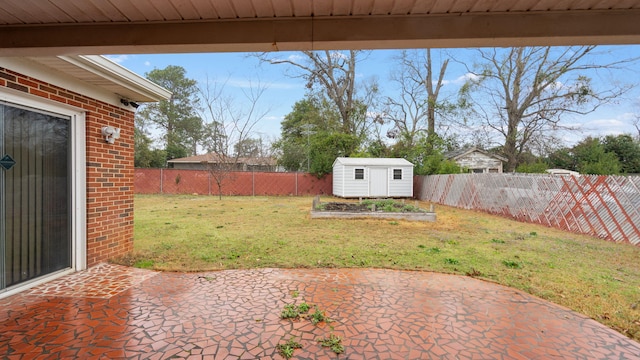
{"points": [[101, 281], [235, 314]]}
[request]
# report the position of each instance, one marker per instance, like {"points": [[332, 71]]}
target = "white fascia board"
{"points": [[38, 71], [120, 75]]}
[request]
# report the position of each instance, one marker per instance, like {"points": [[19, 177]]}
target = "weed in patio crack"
{"points": [[290, 311], [293, 311], [318, 316], [333, 342], [287, 349]]}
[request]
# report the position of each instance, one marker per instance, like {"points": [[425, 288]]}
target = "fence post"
{"points": [[161, 181]]}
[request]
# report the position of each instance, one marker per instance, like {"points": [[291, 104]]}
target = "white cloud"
{"points": [[605, 123], [461, 79], [273, 118], [117, 58], [147, 63], [295, 57], [606, 126]]}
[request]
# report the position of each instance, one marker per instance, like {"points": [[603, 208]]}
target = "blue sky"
{"points": [[239, 70]]}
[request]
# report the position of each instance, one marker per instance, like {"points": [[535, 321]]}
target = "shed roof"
{"points": [[372, 161]]}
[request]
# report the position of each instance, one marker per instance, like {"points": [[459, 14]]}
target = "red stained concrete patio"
{"points": [[117, 312]]}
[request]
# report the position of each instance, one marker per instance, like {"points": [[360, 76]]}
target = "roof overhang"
{"points": [[471, 26], [101, 71], [89, 74]]}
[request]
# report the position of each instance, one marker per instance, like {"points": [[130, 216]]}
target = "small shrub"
{"points": [[451, 261], [533, 233], [434, 250], [497, 241]]}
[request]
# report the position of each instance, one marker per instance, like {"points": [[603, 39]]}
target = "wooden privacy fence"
{"points": [[604, 206], [201, 182]]}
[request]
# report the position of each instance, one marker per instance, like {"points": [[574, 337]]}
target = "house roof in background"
{"points": [[213, 158], [64, 27], [456, 154]]}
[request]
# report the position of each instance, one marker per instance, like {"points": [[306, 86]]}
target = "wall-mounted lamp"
{"points": [[126, 102], [110, 134]]}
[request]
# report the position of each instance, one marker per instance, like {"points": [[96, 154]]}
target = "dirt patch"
{"points": [[345, 207]]}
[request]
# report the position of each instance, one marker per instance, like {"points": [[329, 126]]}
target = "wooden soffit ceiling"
{"points": [[68, 27]]}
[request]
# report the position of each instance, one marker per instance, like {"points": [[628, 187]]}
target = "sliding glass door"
{"points": [[35, 210]]}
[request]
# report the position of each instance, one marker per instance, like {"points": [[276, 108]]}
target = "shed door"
{"points": [[378, 179], [34, 194]]}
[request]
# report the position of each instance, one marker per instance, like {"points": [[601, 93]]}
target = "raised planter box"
{"points": [[317, 213], [427, 216]]}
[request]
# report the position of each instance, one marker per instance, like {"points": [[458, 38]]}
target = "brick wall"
{"points": [[109, 167]]}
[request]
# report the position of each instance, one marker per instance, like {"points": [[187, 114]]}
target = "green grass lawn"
{"points": [[196, 233]]}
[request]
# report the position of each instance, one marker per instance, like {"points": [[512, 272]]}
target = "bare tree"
{"points": [[335, 73], [526, 91], [418, 98], [229, 123]]}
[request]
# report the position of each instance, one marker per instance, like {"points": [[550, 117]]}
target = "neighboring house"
{"points": [[476, 160], [215, 161], [372, 177], [66, 164]]}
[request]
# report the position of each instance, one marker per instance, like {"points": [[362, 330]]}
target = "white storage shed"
{"points": [[372, 177]]}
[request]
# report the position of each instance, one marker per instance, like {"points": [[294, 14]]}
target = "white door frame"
{"points": [[78, 181]]}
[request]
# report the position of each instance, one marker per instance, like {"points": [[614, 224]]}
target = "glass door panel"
{"points": [[35, 237]]}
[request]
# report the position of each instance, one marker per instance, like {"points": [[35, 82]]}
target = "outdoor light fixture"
{"points": [[126, 102], [110, 134]]}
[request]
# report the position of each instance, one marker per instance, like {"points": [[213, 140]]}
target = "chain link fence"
{"points": [[202, 182], [604, 206]]}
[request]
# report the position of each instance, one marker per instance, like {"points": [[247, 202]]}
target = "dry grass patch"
{"points": [[189, 233]]}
